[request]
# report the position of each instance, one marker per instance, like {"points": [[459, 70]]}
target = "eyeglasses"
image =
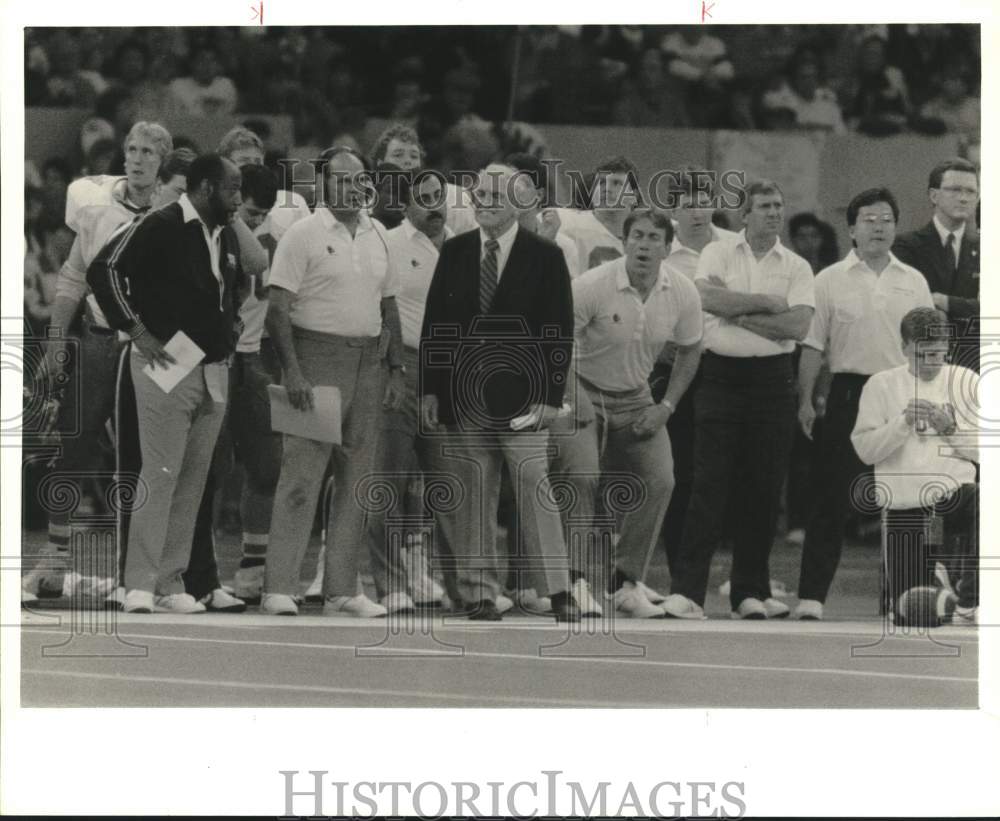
{"points": [[888, 219], [960, 189]]}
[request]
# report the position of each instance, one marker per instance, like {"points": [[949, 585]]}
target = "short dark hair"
{"points": [[210, 167], [396, 131], [803, 219], [532, 166], [409, 180], [258, 184], [658, 218], [870, 196], [685, 182], [920, 324], [176, 162], [759, 187], [618, 164], [951, 164]]}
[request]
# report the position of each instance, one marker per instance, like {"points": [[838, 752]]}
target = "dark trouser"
{"points": [[744, 415], [917, 538], [843, 477], [680, 429]]}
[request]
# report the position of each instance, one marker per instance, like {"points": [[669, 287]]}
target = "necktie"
{"points": [[488, 276], [952, 252]]}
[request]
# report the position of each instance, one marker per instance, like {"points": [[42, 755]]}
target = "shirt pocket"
{"points": [[848, 308]]}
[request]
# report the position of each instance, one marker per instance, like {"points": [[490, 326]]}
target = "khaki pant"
{"points": [[352, 365], [177, 434]]}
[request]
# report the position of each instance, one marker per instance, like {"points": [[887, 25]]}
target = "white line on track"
{"points": [[854, 629], [365, 691], [617, 661]]}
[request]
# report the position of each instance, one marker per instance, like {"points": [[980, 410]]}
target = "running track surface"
{"points": [[247, 660]]}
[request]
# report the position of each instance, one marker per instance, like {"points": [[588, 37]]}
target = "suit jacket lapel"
{"points": [[942, 260]]}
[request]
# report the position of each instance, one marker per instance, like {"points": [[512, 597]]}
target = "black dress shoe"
{"points": [[485, 610], [565, 608]]}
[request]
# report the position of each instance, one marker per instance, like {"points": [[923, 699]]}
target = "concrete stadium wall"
{"points": [[818, 172]]}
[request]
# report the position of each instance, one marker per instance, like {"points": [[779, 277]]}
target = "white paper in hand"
{"points": [[186, 355], [321, 424]]}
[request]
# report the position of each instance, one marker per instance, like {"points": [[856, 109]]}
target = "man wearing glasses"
{"points": [[860, 302], [946, 252]]}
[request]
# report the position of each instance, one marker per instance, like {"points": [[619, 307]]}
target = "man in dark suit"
{"points": [[495, 347], [946, 252]]}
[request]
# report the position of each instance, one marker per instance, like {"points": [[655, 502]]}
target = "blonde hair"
{"points": [[155, 132]]}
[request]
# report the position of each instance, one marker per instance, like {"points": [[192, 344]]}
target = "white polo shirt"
{"points": [[916, 469], [618, 336], [858, 313], [339, 281], [413, 258], [595, 244], [780, 272], [685, 259]]}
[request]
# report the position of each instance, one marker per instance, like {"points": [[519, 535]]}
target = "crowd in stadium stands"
{"points": [[452, 85]]}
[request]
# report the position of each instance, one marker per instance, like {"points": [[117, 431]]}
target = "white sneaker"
{"points": [[178, 603], [115, 599], [315, 590], [503, 603], [776, 609], [278, 604], [248, 584], [651, 595], [138, 601], [425, 590], [750, 608], [398, 603], [809, 610], [359, 606], [630, 601], [965, 616], [585, 599], [221, 601], [679, 606], [530, 602]]}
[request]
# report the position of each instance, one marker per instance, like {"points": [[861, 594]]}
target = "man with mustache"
{"points": [[758, 297], [860, 302]]}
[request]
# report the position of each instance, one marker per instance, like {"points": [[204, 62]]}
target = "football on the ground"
{"points": [[925, 607]]}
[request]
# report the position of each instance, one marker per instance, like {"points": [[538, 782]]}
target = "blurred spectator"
{"points": [[407, 95], [814, 240], [649, 97], [804, 93], [100, 158], [56, 177], [954, 107], [65, 85], [700, 62], [131, 63], [40, 273], [205, 92], [919, 51], [881, 103], [93, 45]]}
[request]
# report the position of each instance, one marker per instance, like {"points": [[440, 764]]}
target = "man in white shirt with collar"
{"points": [[758, 297], [625, 311], [331, 296], [691, 195], [414, 247], [598, 232], [918, 424], [859, 304]]}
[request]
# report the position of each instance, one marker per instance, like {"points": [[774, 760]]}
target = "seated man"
{"points": [[917, 425]]}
